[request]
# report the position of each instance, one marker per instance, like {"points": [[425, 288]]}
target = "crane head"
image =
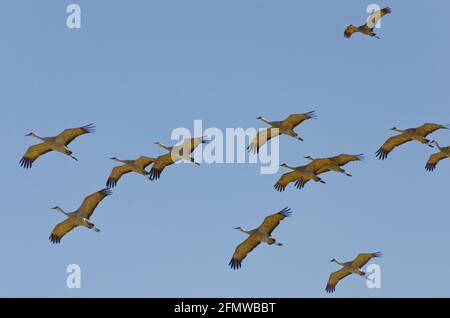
{"points": [[285, 165], [30, 134], [394, 128], [309, 157], [333, 260], [239, 229]]}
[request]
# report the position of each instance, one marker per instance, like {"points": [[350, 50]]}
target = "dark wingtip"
{"points": [[235, 264], [89, 128], [25, 163], [106, 191], [381, 154], [54, 239], [286, 212], [312, 114], [111, 183]]}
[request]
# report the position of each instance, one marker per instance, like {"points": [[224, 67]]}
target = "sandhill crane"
{"points": [[261, 234], [444, 152], [284, 127], [176, 153], [128, 166], [337, 162], [348, 268], [369, 26], [80, 217], [58, 143], [417, 134], [299, 174]]}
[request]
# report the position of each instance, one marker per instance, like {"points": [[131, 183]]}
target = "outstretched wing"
{"points": [[317, 164], [285, 179], [363, 259], [272, 221], [343, 159], [429, 128], [390, 144], [116, 174], [376, 17], [68, 135], [242, 251], [350, 30], [61, 229], [160, 163], [90, 203], [434, 160], [32, 154], [335, 278], [261, 138], [144, 162], [294, 120]]}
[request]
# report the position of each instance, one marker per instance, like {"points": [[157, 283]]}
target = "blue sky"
{"points": [[138, 69]]}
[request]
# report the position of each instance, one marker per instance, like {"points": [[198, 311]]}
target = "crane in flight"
{"points": [[283, 127], [368, 27], [80, 217], [406, 135], [261, 234], [348, 268], [57, 143]]}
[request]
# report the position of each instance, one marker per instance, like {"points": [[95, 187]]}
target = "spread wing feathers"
{"points": [[285, 179], [390, 144], [335, 278], [68, 135], [159, 164], [350, 30], [242, 251], [272, 221], [90, 203], [144, 162], [434, 160], [302, 181], [376, 16], [261, 138], [32, 154], [362, 259], [429, 128], [61, 229], [294, 120], [343, 159], [116, 174]]}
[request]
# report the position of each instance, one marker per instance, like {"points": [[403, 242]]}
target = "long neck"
{"points": [[265, 120], [244, 231], [38, 137], [339, 262], [164, 146], [399, 130], [118, 160], [437, 145], [62, 211]]}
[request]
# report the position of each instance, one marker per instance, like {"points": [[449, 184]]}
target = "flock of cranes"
{"points": [[299, 175]]}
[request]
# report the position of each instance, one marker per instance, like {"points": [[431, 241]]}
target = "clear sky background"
{"points": [[138, 69]]}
